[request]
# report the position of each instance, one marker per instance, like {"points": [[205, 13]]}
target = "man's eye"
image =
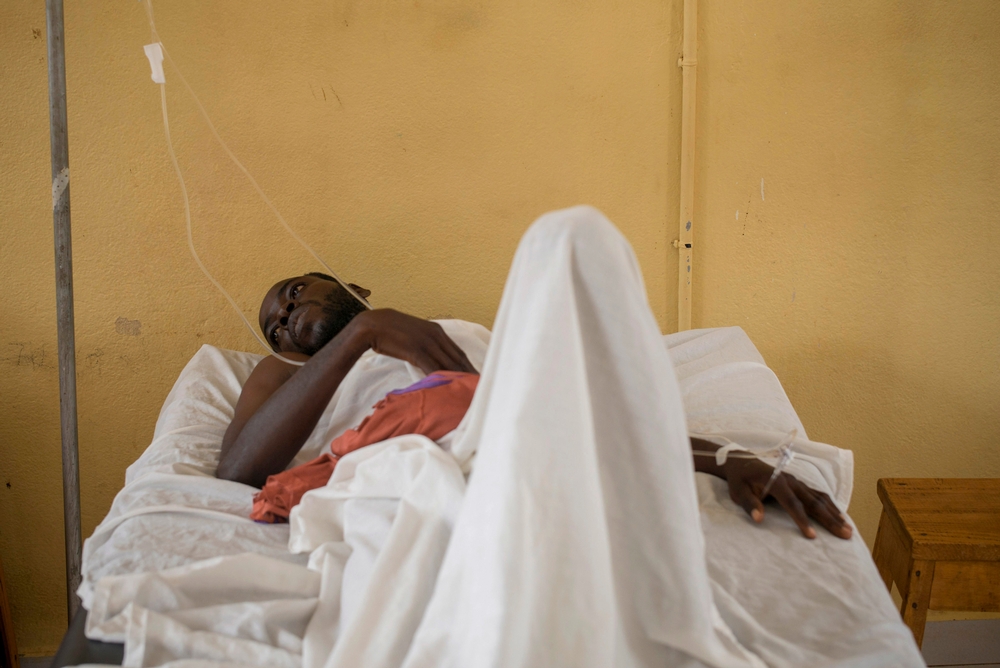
{"points": [[274, 336], [296, 290]]}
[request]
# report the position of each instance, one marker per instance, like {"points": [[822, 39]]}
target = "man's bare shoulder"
{"points": [[269, 375], [273, 371]]}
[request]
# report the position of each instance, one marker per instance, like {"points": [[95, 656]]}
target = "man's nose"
{"points": [[285, 311]]}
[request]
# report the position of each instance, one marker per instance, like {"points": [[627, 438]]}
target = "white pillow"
{"points": [[199, 408], [196, 414], [727, 389], [730, 394]]}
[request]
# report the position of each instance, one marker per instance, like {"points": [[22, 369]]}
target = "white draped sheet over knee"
{"points": [[578, 542]]}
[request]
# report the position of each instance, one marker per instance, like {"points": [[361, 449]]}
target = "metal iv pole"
{"points": [[59, 140]]}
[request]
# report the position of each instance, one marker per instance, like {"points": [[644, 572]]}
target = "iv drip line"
{"points": [[783, 451], [253, 182]]}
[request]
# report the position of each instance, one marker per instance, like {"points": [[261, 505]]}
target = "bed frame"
{"points": [[75, 649]]}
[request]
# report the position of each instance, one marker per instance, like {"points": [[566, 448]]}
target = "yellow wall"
{"points": [[413, 142], [410, 142], [868, 274]]}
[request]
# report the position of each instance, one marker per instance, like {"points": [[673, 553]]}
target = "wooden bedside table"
{"points": [[939, 541]]}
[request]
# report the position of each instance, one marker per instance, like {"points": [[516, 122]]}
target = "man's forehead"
{"points": [[273, 290]]}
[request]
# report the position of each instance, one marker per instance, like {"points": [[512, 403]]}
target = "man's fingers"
{"points": [[846, 530], [448, 359], [430, 358], [750, 503], [821, 508], [458, 358], [424, 361], [467, 366], [422, 343], [454, 355], [817, 510], [782, 491], [446, 362], [457, 355]]}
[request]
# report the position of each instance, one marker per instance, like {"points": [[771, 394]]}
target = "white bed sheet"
{"points": [[795, 602]]}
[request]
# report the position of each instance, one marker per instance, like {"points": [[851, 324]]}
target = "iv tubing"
{"points": [[731, 455], [190, 237], [253, 182]]}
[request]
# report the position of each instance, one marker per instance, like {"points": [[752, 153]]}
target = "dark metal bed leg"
{"points": [[76, 649]]}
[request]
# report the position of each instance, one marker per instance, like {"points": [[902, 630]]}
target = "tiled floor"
{"points": [[35, 661], [961, 644], [974, 642]]}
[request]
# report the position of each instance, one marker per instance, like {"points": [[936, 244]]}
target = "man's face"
{"points": [[303, 313]]}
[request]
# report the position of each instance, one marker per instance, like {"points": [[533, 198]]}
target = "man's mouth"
{"points": [[295, 325]]}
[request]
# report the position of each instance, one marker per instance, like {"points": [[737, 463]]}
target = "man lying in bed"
{"points": [[312, 318]]}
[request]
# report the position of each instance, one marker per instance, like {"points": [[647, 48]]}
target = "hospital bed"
{"points": [[792, 601]]}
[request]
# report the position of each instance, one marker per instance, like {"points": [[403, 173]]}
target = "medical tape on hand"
{"points": [[723, 453], [726, 448]]}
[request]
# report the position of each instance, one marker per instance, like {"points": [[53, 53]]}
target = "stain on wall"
{"points": [[128, 327]]}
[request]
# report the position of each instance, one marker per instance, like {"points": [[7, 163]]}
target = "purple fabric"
{"points": [[433, 380]]}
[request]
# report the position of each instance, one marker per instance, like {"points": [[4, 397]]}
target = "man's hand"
{"points": [[420, 342], [747, 478]]}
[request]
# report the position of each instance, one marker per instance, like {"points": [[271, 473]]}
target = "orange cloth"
{"points": [[431, 407]]}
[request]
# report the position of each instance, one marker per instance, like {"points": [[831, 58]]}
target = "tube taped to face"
{"points": [[156, 52]]}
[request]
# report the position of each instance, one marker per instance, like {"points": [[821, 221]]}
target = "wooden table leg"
{"points": [[880, 553], [918, 598], [8, 644]]}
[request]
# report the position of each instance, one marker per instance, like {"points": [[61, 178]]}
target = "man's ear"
{"points": [[360, 290]]}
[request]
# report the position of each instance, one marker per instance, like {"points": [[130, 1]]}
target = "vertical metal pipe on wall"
{"points": [[59, 139], [684, 244]]}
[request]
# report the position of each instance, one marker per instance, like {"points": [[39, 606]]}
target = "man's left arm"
{"points": [[747, 478]]}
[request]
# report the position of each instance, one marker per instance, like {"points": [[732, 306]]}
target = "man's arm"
{"points": [[747, 478], [281, 404]]}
